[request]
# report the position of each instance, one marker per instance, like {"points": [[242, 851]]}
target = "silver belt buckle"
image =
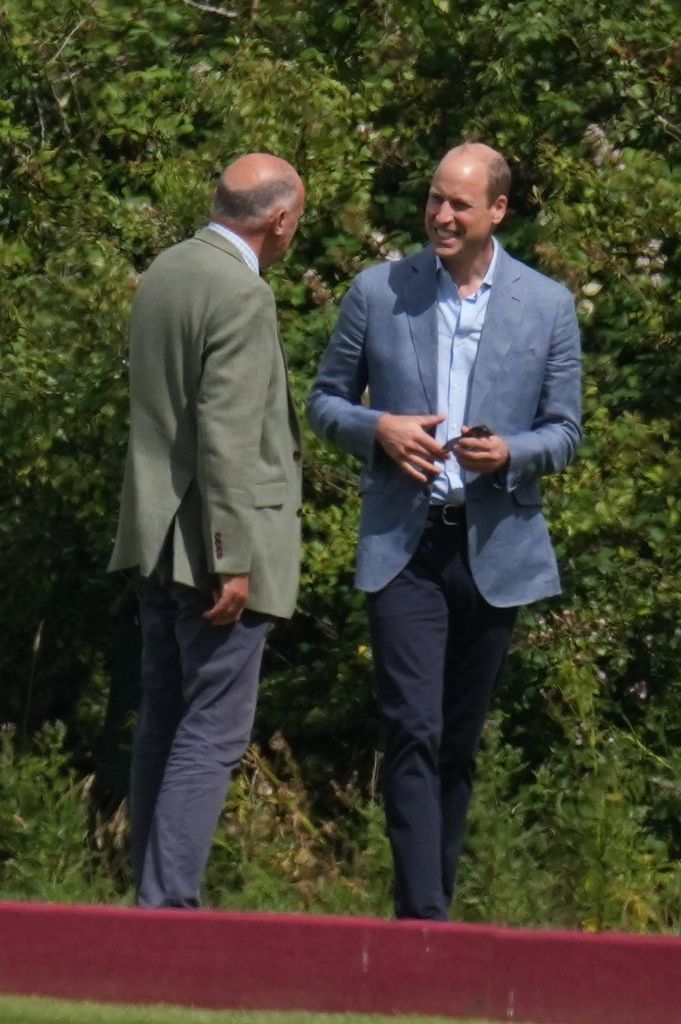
{"points": [[451, 515]]}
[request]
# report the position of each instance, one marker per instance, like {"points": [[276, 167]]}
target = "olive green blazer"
{"points": [[213, 464]]}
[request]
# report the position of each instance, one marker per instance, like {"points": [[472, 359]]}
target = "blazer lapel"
{"points": [[420, 299], [500, 328]]}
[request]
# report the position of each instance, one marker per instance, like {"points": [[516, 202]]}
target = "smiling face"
{"points": [[460, 217]]}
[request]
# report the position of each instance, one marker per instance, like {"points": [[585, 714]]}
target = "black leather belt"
{"points": [[447, 515]]}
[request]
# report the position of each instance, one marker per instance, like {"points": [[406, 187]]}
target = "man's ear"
{"points": [[499, 206], [278, 220]]}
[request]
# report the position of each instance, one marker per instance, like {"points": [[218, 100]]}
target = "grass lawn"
{"points": [[14, 1010]]}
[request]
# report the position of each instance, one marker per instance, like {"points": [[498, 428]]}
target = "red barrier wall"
{"points": [[289, 961]]}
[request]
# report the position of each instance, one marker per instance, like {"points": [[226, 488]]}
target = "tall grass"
{"points": [[567, 844]]}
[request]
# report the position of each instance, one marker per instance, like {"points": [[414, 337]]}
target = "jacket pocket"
{"points": [[269, 495], [527, 495]]}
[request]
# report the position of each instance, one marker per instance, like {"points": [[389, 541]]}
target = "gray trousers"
{"points": [[199, 692]]}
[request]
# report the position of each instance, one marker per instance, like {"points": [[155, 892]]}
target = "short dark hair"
{"points": [[498, 179], [242, 205]]}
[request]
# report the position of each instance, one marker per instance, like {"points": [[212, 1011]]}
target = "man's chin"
{"points": [[452, 247]]}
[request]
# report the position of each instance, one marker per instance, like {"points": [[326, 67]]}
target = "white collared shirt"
{"points": [[459, 327], [243, 247]]}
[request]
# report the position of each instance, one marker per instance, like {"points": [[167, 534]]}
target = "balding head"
{"points": [[253, 187], [477, 153], [261, 198]]}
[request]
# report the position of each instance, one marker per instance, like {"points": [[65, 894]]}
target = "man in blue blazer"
{"points": [[459, 343]]}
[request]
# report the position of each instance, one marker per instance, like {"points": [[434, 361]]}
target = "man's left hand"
{"points": [[481, 454]]}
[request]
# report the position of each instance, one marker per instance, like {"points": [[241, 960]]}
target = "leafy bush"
{"points": [[272, 853], [48, 835]]}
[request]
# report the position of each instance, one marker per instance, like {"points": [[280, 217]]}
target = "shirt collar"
{"points": [[244, 248], [488, 279]]}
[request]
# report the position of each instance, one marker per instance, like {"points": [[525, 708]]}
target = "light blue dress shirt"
{"points": [[459, 327], [243, 247]]}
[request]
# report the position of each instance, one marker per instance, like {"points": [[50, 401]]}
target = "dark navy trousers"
{"points": [[439, 648], [199, 692]]}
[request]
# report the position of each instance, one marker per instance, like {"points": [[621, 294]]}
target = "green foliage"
{"points": [[271, 854], [570, 846], [114, 121], [567, 846], [48, 846]]}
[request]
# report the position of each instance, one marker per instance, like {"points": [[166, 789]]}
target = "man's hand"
{"points": [[230, 598], [481, 454], [405, 440]]}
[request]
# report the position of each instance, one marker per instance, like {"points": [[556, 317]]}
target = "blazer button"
{"points": [[296, 455], [300, 513]]}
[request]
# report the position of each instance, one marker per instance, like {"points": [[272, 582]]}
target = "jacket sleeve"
{"points": [[555, 435], [240, 344], [334, 407]]}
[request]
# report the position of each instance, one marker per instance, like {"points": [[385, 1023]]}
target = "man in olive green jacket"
{"points": [[209, 513]]}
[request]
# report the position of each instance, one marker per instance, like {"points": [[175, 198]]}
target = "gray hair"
{"points": [[253, 204]]}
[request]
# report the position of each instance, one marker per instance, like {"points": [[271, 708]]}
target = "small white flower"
{"points": [[639, 690], [591, 288], [201, 69]]}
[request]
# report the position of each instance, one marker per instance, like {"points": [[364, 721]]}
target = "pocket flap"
{"points": [[269, 495]]}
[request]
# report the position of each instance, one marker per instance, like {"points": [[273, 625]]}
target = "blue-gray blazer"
{"points": [[525, 386]]}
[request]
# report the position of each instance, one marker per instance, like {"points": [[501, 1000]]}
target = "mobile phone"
{"points": [[482, 430]]}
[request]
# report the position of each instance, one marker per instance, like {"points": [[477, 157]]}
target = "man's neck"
{"points": [[253, 242], [469, 273]]}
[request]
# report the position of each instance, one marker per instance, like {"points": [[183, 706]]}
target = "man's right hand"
{"points": [[406, 441]]}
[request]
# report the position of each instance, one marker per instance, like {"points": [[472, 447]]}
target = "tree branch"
{"points": [[67, 40], [670, 128], [210, 10]]}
